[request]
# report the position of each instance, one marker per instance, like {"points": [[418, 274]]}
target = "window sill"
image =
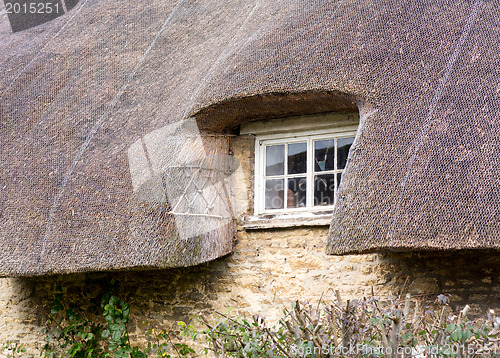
{"points": [[288, 220]]}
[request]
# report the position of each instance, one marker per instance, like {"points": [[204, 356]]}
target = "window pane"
{"points": [[343, 151], [296, 192], [324, 189], [324, 155], [339, 178], [274, 194], [275, 159], [297, 158]]}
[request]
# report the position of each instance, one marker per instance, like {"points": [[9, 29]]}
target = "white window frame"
{"points": [[303, 136]]}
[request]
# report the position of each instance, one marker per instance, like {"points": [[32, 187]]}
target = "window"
{"points": [[300, 171]]}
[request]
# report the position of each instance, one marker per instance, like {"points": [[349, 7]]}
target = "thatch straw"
{"points": [[78, 91]]}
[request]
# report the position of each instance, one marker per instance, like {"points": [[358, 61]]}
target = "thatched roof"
{"points": [[81, 94]]}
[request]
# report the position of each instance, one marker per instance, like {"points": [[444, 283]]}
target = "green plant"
{"points": [[369, 327], [163, 343], [74, 331], [13, 349], [357, 328], [71, 331], [116, 314]]}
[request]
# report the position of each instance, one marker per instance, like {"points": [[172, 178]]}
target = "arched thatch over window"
{"points": [[78, 92]]}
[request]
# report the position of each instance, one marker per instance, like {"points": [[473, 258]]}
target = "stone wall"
{"points": [[268, 269]]}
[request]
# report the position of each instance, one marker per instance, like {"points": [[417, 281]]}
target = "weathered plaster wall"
{"points": [[268, 269]]}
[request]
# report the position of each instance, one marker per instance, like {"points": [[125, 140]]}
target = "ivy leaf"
{"points": [[117, 335], [105, 333]]}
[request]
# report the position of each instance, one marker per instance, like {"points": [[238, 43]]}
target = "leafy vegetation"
{"points": [[13, 349], [369, 327], [72, 331], [358, 328]]}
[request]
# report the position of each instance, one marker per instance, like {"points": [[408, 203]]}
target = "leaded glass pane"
{"points": [[296, 197], [324, 189], [274, 194], [297, 158], [343, 145], [324, 155], [339, 178], [275, 159]]}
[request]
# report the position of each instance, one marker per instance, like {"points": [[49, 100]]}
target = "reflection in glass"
{"points": [[324, 155], [296, 197], [343, 145], [324, 189], [275, 159], [274, 194], [297, 158]]}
